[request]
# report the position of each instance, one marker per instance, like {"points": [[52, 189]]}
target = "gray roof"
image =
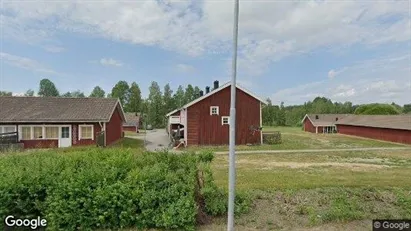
{"points": [[325, 119], [379, 121], [131, 119], [57, 109]]}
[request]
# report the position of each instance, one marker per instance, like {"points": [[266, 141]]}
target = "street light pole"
{"points": [[231, 172]]}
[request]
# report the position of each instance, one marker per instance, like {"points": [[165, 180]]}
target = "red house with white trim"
{"points": [[205, 120], [47, 122]]}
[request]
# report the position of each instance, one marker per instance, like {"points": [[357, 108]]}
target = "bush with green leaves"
{"points": [[111, 188], [272, 138]]}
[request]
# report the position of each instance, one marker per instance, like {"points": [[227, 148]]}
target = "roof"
{"points": [[131, 119], [402, 122], [324, 119], [212, 93], [57, 109]]}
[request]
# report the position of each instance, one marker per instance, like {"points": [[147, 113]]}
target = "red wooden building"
{"points": [[321, 123], [46, 122], [205, 121], [393, 128], [133, 122]]}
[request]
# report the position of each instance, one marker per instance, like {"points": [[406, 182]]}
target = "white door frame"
{"points": [[65, 142]]}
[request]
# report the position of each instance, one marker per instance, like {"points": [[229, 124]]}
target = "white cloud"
{"points": [[269, 30], [385, 79], [185, 68], [110, 62], [54, 49], [24, 63]]}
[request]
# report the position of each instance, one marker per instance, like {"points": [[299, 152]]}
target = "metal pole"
{"points": [[231, 172]]}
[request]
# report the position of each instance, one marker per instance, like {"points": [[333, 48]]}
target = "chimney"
{"points": [[316, 117], [207, 90], [336, 119], [215, 84], [201, 93]]}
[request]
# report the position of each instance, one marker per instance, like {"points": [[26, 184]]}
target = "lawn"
{"points": [[295, 138], [325, 190]]}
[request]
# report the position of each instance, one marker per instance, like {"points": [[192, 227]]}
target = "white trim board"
{"points": [[215, 91]]}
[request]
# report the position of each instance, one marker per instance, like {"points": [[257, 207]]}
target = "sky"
{"points": [[288, 51]]}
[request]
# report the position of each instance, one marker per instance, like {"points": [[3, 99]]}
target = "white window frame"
{"points": [[217, 110], [225, 117], [79, 132], [3, 128], [43, 131]]}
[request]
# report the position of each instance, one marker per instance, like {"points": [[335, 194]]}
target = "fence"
{"points": [[100, 139], [9, 138]]}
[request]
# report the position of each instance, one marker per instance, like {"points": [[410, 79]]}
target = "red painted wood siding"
{"points": [[206, 129], [386, 134], [75, 134], [114, 128], [130, 128], [40, 143], [308, 126]]}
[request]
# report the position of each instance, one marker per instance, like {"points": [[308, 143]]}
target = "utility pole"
{"points": [[231, 172]]}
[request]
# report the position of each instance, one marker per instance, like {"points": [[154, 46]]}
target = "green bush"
{"points": [[111, 188], [272, 138], [376, 109]]}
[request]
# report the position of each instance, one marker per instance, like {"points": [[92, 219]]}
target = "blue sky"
{"points": [[355, 51]]}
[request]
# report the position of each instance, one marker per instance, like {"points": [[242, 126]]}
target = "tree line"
{"points": [[280, 115], [158, 103], [161, 101]]}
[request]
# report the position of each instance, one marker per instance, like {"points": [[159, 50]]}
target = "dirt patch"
{"points": [[352, 166]]}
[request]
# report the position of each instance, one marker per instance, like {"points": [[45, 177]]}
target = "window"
{"points": [[52, 133], [213, 110], [7, 129], [86, 132], [26, 133], [225, 120], [38, 132], [65, 132]]}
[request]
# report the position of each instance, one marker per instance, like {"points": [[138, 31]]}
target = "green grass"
{"points": [[295, 138], [331, 191], [129, 143]]}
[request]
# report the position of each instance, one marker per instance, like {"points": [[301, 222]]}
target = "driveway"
{"points": [[157, 139]]}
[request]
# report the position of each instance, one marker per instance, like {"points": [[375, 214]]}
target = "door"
{"points": [[65, 137]]}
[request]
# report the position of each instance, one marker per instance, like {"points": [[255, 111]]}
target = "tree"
{"points": [[178, 97], [67, 94], [121, 91], [268, 115], [189, 94], [77, 94], [406, 108], [196, 92], [376, 109], [47, 88], [281, 115], [97, 92], [6, 93], [134, 102], [29, 92], [155, 106], [168, 103]]}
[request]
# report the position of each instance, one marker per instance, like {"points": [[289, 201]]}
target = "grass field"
{"points": [[295, 138], [297, 191]]}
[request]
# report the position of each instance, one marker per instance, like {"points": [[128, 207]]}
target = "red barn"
{"points": [[46, 122], [133, 122], [393, 128], [205, 121], [321, 123]]}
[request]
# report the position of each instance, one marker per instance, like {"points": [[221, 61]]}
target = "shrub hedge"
{"points": [[111, 189], [272, 138]]}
